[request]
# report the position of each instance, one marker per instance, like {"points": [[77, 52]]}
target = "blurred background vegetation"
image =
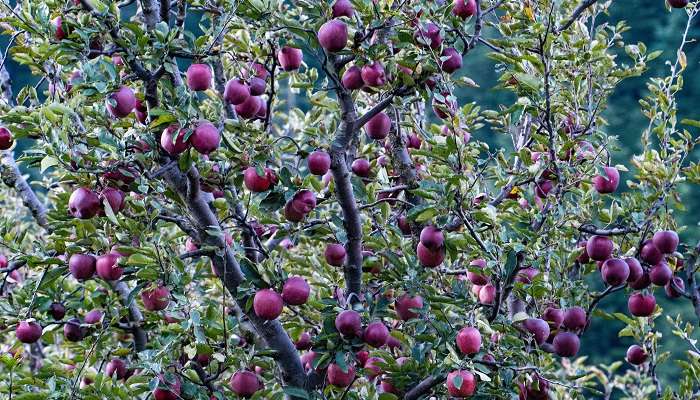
{"points": [[650, 23]]}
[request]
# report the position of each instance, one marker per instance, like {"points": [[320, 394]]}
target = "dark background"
{"points": [[652, 24]]}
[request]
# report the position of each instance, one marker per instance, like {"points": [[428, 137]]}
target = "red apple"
{"points": [[349, 323], [574, 318], [462, 389], [453, 63], [304, 341], [333, 35], [360, 167], [168, 388], [475, 278], [464, 8], [615, 271], [122, 102], [554, 316], [83, 203], [303, 201], [28, 331], [335, 254], [675, 288], [405, 304], [641, 305], [267, 304], [372, 367], [373, 74], [642, 282], [236, 92], [607, 183], [635, 269], [342, 8], [199, 77], [543, 187], [469, 340], [245, 383], [289, 58], [116, 366], [526, 275], [650, 253], [429, 258], [295, 291], [376, 334], [59, 33], [404, 225], [339, 378], [566, 344], [171, 143], [539, 329], [678, 3], [432, 237], [114, 197], [429, 35], [444, 108], [666, 241], [660, 274], [205, 138], [352, 78], [155, 298], [94, 317], [57, 311], [636, 355], [72, 330], [378, 126], [257, 85], [81, 266], [250, 108], [5, 138], [256, 183], [108, 268], [599, 248], [487, 294], [319, 162]]}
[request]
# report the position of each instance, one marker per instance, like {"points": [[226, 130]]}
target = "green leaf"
{"points": [[296, 392], [48, 162]]}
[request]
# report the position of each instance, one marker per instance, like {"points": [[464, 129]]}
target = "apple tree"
{"points": [[294, 199]]}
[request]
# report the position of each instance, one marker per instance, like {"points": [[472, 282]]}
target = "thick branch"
{"points": [[424, 387]]}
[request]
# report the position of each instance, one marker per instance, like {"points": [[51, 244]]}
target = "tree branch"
{"points": [[577, 13], [424, 386]]}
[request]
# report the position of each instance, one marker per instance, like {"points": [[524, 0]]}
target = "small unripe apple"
{"points": [[432, 237], [205, 138], [429, 35], [615, 271], [83, 203], [352, 78], [376, 334], [339, 378], [267, 304], [476, 278], [360, 167], [566, 344], [574, 318], [487, 294], [373, 74], [108, 268], [372, 367], [28, 331], [81, 266], [168, 388], [333, 35], [155, 298], [675, 288], [245, 383], [405, 304], [94, 316], [319, 162], [5, 138], [289, 58], [250, 107], [660, 274], [539, 329], [116, 366], [349, 323], [72, 330], [256, 183], [636, 355], [59, 32], [635, 268], [453, 63], [295, 291], [678, 3], [666, 241], [122, 102], [599, 248], [304, 341], [466, 388], [342, 8], [650, 253], [641, 305], [607, 183], [429, 258], [378, 126], [335, 254], [57, 311], [171, 143], [469, 340], [464, 8], [554, 316], [199, 77], [236, 92]]}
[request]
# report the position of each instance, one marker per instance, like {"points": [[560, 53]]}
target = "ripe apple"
{"points": [[73, 331], [636, 355], [295, 291], [303, 202], [116, 366], [28, 331], [108, 268], [245, 383], [5, 138], [615, 271], [199, 77], [319, 162], [675, 288], [94, 316], [404, 225], [339, 378], [378, 126], [574, 318], [599, 248], [333, 35], [678, 3], [168, 388], [476, 278], [360, 167], [444, 109], [114, 197], [122, 102], [155, 298], [57, 311], [373, 74], [464, 8], [429, 35], [289, 58], [172, 144], [641, 305], [650, 253], [543, 187], [349, 323], [666, 241], [59, 32], [352, 78], [236, 92], [469, 340], [256, 183], [343, 8], [466, 388], [660, 274], [635, 269], [554, 316], [304, 341], [262, 111], [250, 107], [538, 389], [429, 258], [205, 137], [376, 334], [372, 368], [566, 344], [642, 282], [257, 85], [607, 183], [453, 63], [432, 237], [335, 254], [527, 275], [405, 304], [81, 266], [83, 203], [539, 329], [267, 304], [487, 294]]}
